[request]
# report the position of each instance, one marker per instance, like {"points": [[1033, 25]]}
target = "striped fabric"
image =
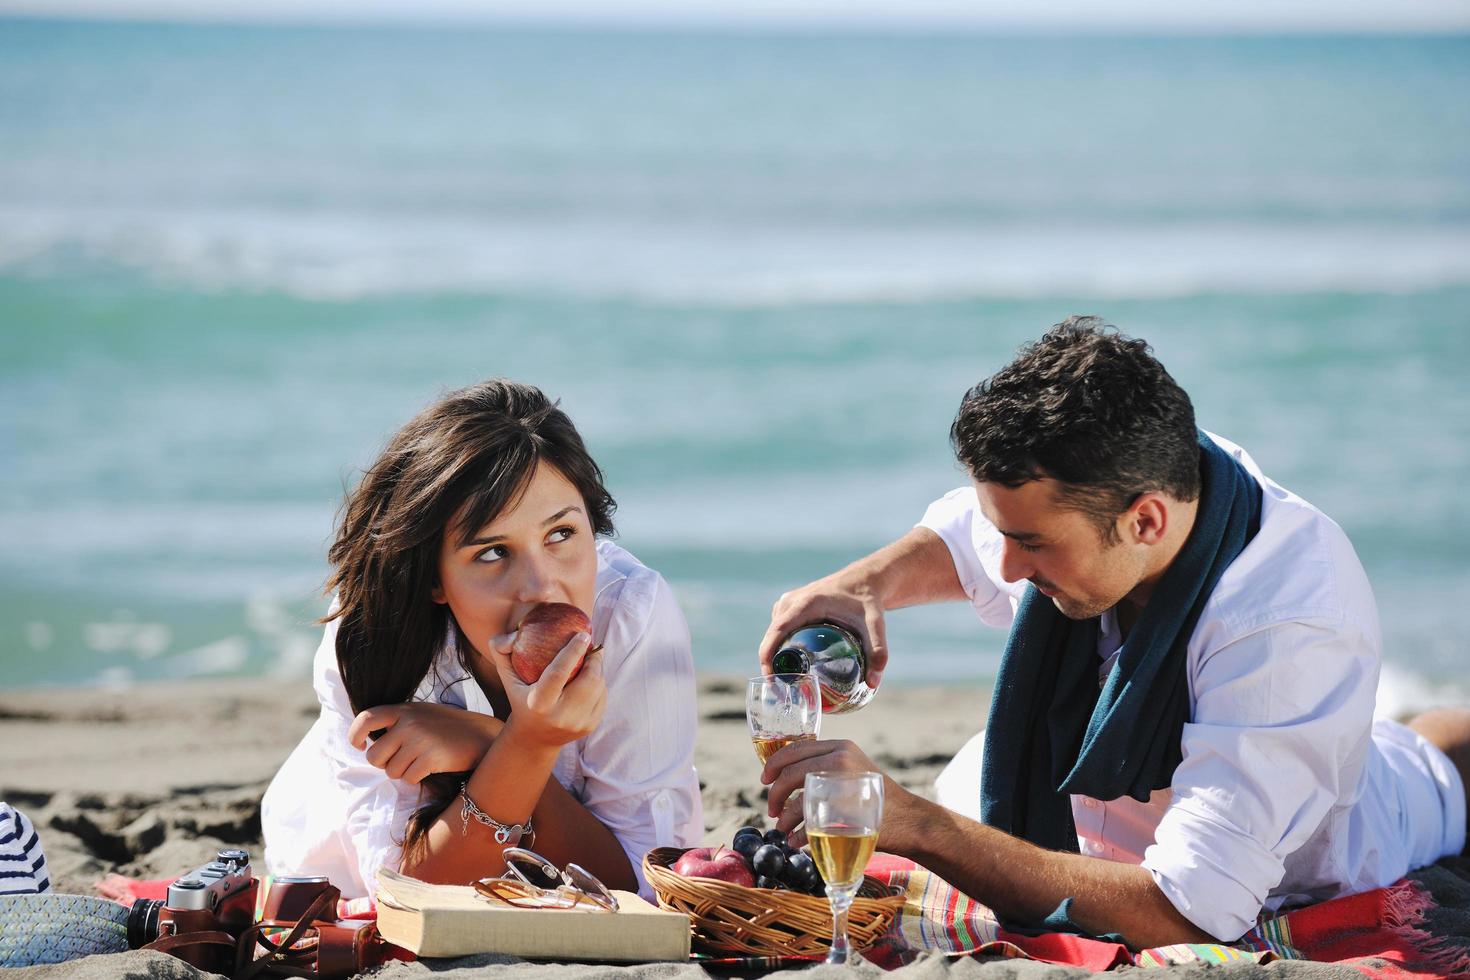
{"points": [[939, 918], [22, 863], [1200, 953], [1380, 933]]}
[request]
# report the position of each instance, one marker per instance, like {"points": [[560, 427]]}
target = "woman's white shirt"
{"points": [[1288, 792], [330, 812]]}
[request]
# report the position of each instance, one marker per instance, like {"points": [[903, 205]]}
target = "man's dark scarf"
{"points": [[1051, 731]]}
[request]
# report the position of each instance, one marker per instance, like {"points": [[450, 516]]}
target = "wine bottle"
{"points": [[835, 655]]}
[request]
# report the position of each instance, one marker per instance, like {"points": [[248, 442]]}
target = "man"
{"points": [[1181, 732]]}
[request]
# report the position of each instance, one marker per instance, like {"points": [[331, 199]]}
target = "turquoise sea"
{"points": [[758, 270]]}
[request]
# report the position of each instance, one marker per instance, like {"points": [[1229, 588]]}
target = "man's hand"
{"points": [[416, 739], [1016, 878], [844, 598], [786, 772], [558, 708], [911, 571]]}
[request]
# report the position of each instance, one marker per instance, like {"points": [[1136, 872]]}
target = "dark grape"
{"points": [[764, 882], [774, 836], [746, 845], [748, 832], [801, 870], [769, 861]]}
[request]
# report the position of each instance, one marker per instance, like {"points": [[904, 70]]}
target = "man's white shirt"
{"points": [[1288, 791]]}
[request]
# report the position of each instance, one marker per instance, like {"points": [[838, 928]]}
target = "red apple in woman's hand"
{"points": [[715, 862], [546, 629]]}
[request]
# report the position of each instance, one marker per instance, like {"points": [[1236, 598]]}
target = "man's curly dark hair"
{"points": [[1090, 408]]}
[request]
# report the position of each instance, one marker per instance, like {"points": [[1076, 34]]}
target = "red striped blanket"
{"points": [[1380, 933]]}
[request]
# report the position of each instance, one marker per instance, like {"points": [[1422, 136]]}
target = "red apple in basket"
{"points": [[715, 862], [546, 629]]}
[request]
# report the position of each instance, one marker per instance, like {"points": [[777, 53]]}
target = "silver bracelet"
{"points": [[508, 834]]}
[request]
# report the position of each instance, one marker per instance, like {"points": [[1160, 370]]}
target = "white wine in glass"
{"points": [[843, 811], [842, 853], [767, 746], [781, 709]]}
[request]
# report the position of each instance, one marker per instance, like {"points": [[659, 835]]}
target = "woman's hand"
{"points": [[558, 708], [417, 739]]}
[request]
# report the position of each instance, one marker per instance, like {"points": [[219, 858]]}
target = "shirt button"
{"points": [[1090, 803]]}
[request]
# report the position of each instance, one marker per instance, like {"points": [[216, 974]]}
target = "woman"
{"points": [[430, 755]]}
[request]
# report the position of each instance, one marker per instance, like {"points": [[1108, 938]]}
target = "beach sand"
{"points": [[150, 782]]}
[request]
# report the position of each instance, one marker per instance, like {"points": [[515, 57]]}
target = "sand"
{"points": [[149, 783]]}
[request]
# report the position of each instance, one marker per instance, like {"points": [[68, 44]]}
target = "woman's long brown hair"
{"points": [[463, 459]]}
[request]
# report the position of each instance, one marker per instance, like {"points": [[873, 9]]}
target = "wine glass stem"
{"points": [[841, 901]]}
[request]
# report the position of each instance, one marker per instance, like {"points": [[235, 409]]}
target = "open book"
{"points": [[451, 920]]}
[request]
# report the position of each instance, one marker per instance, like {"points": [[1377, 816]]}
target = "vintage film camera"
{"points": [[216, 897], [208, 921]]}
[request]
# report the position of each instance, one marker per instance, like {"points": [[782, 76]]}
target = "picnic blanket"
{"points": [[1418, 927], [1382, 933]]}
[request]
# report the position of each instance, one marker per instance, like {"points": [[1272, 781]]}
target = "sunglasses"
{"points": [[532, 882]]}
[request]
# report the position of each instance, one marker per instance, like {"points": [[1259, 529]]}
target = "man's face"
{"points": [[1059, 550]]}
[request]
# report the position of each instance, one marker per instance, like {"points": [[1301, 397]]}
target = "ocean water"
{"points": [[758, 271]]}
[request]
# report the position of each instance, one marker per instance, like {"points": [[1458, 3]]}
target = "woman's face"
{"points": [[539, 549]]}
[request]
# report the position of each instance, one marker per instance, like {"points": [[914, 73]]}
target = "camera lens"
{"points": [[143, 922]]}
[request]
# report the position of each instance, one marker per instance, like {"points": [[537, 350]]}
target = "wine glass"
{"points": [[842, 811], [781, 709]]}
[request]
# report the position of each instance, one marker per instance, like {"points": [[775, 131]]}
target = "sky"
{"points": [[1248, 16]]}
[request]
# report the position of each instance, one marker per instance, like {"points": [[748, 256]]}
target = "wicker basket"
{"points": [[728, 918]]}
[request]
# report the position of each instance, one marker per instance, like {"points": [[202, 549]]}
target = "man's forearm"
{"points": [[914, 570], [1026, 883]]}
